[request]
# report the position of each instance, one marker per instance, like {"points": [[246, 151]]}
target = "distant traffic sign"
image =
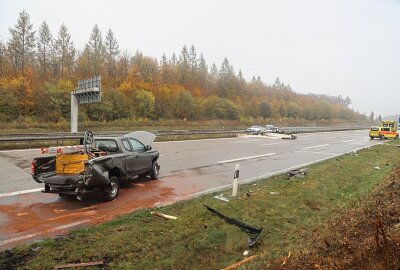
{"points": [[88, 91]]}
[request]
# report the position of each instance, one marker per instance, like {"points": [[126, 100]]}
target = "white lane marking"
{"points": [[244, 158], [310, 147], [194, 140], [275, 143], [348, 141], [246, 141], [20, 192], [20, 150], [313, 152], [32, 235]]}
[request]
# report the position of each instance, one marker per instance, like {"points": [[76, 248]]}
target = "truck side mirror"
{"points": [[148, 147]]}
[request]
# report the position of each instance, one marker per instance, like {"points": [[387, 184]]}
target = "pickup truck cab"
{"points": [[108, 161]]}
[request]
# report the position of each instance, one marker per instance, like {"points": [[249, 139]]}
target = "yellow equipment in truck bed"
{"points": [[70, 163]]}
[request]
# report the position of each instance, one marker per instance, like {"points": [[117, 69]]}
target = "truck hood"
{"points": [[144, 137]]}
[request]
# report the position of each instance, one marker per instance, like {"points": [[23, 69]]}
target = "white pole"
{"points": [[235, 180], [74, 113]]}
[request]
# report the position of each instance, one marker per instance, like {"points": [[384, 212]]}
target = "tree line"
{"points": [[38, 70]]}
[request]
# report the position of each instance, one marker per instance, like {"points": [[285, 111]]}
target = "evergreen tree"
{"points": [[22, 43], [111, 52], [96, 50], [371, 116], [193, 58], [64, 51], [44, 46]]}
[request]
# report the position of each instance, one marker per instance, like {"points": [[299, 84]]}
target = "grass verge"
{"points": [[200, 240]]}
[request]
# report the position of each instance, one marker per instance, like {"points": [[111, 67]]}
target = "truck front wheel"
{"points": [[111, 191], [155, 170]]}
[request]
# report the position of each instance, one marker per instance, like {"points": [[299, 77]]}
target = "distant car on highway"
{"points": [[256, 130], [273, 129]]}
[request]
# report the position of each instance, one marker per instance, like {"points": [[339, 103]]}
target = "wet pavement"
{"points": [[187, 169]]}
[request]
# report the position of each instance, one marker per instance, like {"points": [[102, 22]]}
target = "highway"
{"points": [[188, 168]]}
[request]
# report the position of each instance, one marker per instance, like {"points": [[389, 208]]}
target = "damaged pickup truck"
{"points": [[99, 165]]}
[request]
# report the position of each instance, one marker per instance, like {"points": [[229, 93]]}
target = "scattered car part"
{"points": [[158, 214], [240, 263], [75, 265], [297, 173], [221, 198], [253, 232]]}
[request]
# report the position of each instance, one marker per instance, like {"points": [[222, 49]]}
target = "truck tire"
{"points": [[155, 170], [111, 191]]}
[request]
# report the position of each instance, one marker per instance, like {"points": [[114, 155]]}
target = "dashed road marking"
{"points": [[321, 145], [8, 194], [244, 158]]}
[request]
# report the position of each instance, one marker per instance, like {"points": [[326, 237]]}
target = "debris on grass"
{"points": [[274, 193], [377, 168], [287, 258], [297, 173], [253, 232], [75, 265], [240, 263], [221, 198], [158, 214]]}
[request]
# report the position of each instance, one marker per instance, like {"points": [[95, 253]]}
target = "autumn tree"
{"points": [[265, 110], [22, 43], [44, 47]]}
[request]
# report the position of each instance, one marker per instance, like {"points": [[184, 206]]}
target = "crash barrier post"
{"points": [[235, 180]]}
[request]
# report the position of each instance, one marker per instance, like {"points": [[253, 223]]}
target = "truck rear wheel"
{"points": [[111, 191]]}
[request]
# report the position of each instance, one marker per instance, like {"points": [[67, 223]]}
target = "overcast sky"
{"points": [[338, 47]]}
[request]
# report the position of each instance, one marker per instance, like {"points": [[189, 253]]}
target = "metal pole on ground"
{"points": [[74, 113], [235, 180]]}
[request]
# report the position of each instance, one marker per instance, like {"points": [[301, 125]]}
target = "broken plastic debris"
{"points": [[158, 214], [221, 197], [377, 168], [246, 252], [273, 193]]}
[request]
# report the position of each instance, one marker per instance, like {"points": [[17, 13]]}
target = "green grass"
{"points": [[200, 240]]}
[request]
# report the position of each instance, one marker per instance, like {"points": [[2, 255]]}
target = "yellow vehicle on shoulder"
{"points": [[388, 133], [374, 132]]}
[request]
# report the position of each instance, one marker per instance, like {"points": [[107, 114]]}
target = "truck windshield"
{"points": [[106, 145]]}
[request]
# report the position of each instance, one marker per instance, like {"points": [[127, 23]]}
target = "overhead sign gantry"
{"points": [[88, 91]]}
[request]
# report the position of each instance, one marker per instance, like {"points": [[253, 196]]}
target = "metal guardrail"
{"points": [[64, 136]]}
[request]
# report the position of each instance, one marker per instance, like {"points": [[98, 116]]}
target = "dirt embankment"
{"points": [[366, 237]]}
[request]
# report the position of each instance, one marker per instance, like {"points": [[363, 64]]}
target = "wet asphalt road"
{"points": [[187, 168], [201, 160]]}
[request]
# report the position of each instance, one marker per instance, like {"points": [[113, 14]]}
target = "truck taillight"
{"points": [[33, 167]]}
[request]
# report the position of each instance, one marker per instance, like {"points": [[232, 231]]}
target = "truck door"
{"points": [[129, 158], [142, 159]]}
